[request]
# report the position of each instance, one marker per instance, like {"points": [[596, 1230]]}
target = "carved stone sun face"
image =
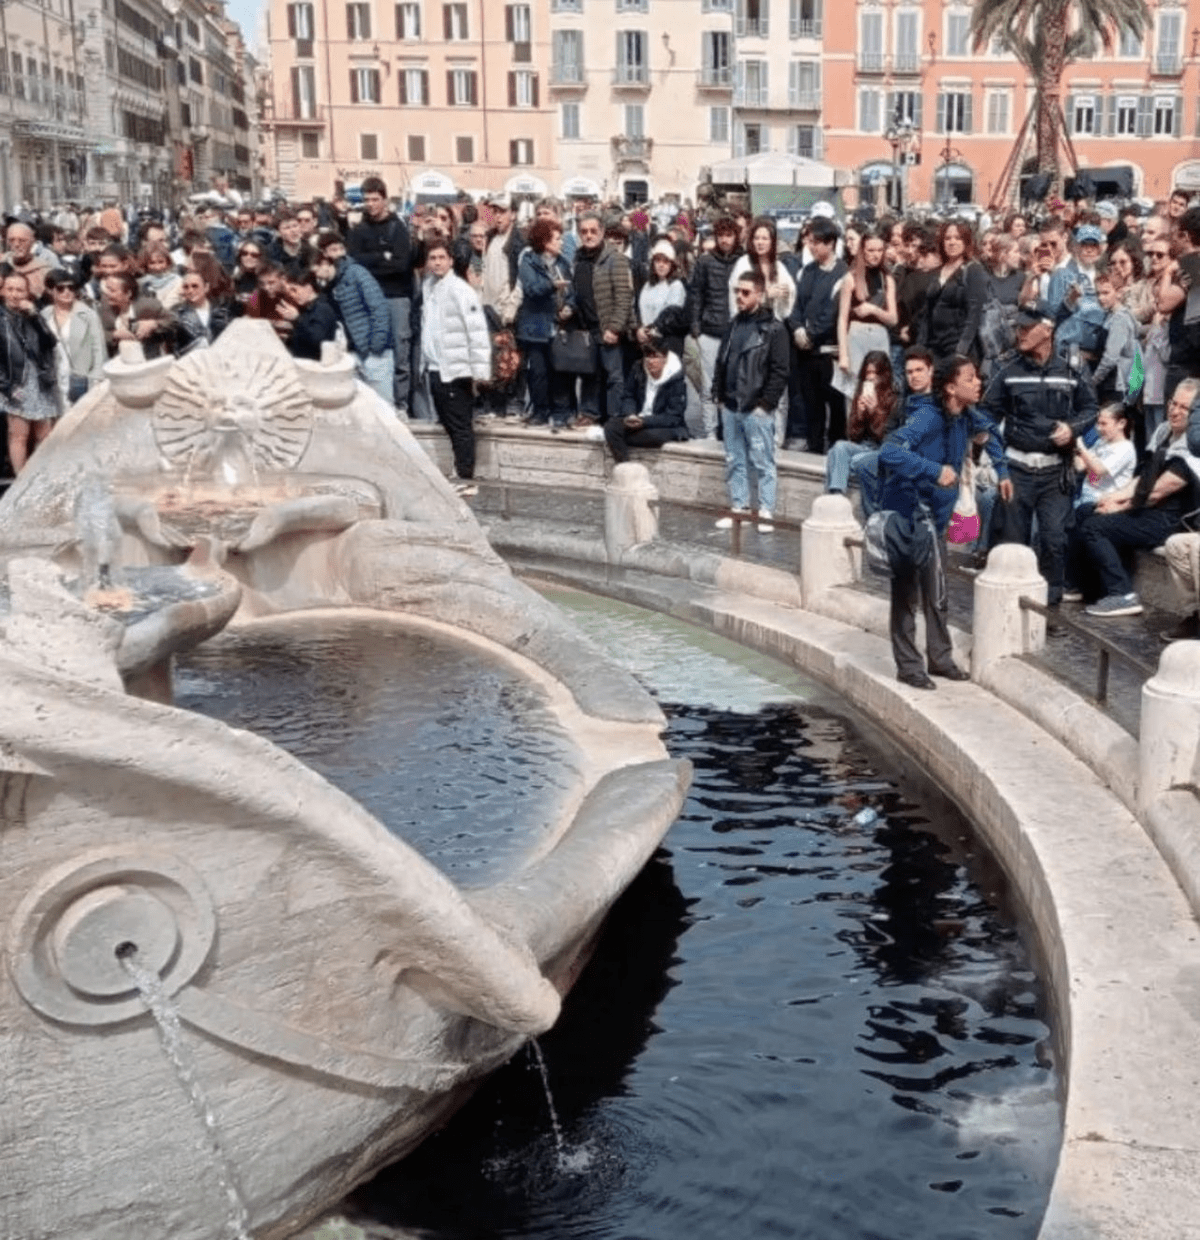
{"points": [[212, 397]]}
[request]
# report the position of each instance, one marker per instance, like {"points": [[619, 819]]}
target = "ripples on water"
{"points": [[808, 1017]]}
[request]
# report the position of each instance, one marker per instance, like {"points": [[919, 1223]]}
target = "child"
{"points": [[1118, 374]]}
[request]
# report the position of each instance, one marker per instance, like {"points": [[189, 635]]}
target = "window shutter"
{"points": [[447, 23], [818, 142], [968, 108], [1110, 115], [794, 19], [508, 23], [1177, 116], [764, 93], [890, 115], [291, 12], [402, 78], [1069, 114], [739, 141], [918, 109], [533, 86], [941, 113], [764, 12], [295, 92], [349, 21], [739, 28], [473, 82], [354, 86], [450, 87], [512, 89], [1145, 116], [512, 151]]}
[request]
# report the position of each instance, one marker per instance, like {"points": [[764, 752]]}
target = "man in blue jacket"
{"points": [[749, 377], [363, 311]]}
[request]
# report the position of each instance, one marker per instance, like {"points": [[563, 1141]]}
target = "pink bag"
{"points": [[964, 521]]}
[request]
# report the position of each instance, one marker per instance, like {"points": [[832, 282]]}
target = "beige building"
{"points": [[643, 94], [434, 97]]}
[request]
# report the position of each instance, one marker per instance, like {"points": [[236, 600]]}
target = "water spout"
{"points": [[98, 531]]}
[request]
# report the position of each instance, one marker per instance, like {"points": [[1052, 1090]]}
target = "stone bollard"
{"points": [[1169, 741], [630, 510], [825, 560], [1001, 627]]}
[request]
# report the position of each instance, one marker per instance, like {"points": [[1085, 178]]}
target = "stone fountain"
{"points": [[333, 996]]}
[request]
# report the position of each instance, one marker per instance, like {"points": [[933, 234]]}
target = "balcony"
{"points": [[307, 116], [568, 76], [805, 100], [751, 97], [806, 28], [906, 62], [752, 27], [1168, 64], [712, 77], [632, 150], [871, 62], [631, 77]]}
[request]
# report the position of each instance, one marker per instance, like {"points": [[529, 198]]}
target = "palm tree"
{"points": [[1046, 36]]}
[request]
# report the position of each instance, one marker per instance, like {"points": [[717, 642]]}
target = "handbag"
{"points": [[573, 352], [964, 520], [893, 544], [77, 387]]}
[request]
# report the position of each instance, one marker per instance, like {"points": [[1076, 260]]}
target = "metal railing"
{"points": [[713, 77]]}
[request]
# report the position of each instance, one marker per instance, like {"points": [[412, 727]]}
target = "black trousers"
{"points": [[928, 586], [620, 438], [1040, 492], [454, 404], [824, 405]]}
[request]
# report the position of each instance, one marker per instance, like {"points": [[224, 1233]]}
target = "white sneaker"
{"points": [[726, 523], [765, 523]]}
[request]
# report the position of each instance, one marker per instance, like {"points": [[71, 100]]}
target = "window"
{"points": [[635, 120], [954, 112], [364, 86], [632, 66], [566, 57], [408, 22], [19, 75], [908, 55], [195, 71], [633, 6], [868, 111], [416, 148], [1167, 59], [454, 24], [716, 6], [464, 150], [310, 146], [997, 111], [958, 34], [714, 58], [518, 30], [718, 124], [805, 18], [358, 21], [751, 19], [1127, 114], [304, 92], [1167, 114], [461, 88], [414, 87], [368, 146], [751, 90], [804, 84], [870, 43], [904, 106], [1081, 111], [569, 121], [300, 21], [1129, 45], [805, 141], [520, 152], [522, 89], [752, 138], [566, 6]]}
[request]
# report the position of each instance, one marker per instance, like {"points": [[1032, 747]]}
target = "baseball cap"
{"points": [[1034, 312]]}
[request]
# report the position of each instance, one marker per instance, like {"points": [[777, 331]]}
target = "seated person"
{"points": [[1147, 511], [871, 413], [1183, 563], [654, 405]]}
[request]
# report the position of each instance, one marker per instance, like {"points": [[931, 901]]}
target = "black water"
{"points": [[812, 1016]]}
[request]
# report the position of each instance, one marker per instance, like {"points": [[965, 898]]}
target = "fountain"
{"points": [[328, 995]]}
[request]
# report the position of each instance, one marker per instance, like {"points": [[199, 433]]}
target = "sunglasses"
{"points": [[1158, 253]]}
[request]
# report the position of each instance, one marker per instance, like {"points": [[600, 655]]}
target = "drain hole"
{"points": [[126, 950]]}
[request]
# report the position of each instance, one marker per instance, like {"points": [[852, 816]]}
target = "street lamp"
{"points": [[900, 135], [949, 156]]}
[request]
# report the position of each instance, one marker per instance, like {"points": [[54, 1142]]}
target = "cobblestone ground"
{"points": [[1068, 656]]}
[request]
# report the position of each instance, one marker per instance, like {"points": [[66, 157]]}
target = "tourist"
{"points": [[920, 463], [23, 258], [710, 310], [1072, 299], [871, 411], [1126, 268], [1171, 300], [547, 299], [1044, 406], [1146, 511], [265, 301], [501, 262], [126, 316], [813, 325], [28, 370], [763, 255], [159, 277], [381, 243], [312, 318], [250, 259], [655, 406], [291, 252], [663, 292], [455, 355], [1182, 553], [954, 296], [1118, 373], [202, 317], [750, 378], [603, 300], [364, 314], [866, 310], [80, 335]]}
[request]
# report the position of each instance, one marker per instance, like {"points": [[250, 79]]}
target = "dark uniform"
{"points": [[1029, 398]]}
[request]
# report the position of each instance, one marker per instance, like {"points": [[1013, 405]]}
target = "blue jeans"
{"points": [[749, 436], [401, 310], [600, 393], [839, 462], [375, 370]]}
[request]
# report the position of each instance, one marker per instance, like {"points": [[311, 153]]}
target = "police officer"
{"points": [[1043, 403]]}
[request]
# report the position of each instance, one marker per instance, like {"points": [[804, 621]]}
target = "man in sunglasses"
{"points": [[1177, 297]]}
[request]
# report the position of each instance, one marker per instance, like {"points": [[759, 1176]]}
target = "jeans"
{"points": [[401, 308], [839, 462], [1039, 492], [749, 437], [375, 370], [455, 402], [602, 392], [710, 346], [864, 468], [549, 391], [1106, 536]]}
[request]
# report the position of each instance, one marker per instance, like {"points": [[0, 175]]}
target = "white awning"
{"points": [[768, 168], [580, 187], [433, 185], [533, 187]]}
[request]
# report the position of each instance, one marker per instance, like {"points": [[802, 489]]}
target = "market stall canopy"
{"points": [[769, 168], [433, 186]]}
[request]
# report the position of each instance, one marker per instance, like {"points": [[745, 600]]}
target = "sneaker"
{"points": [[726, 523], [1187, 630], [1116, 605], [1071, 595], [765, 523], [466, 488], [795, 445]]}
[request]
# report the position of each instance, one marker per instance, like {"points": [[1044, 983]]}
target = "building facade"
{"points": [[434, 97]]}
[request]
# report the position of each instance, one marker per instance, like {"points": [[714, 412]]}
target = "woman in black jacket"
{"points": [[28, 371], [201, 317], [955, 297], [654, 406]]}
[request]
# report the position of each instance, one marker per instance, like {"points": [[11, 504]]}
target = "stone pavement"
{"points": [[1070, 658]]}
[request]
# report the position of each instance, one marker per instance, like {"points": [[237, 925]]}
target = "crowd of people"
{"points": [[862, 342]]}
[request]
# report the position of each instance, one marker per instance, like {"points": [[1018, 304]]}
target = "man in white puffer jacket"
{"points": [[456, 353]]}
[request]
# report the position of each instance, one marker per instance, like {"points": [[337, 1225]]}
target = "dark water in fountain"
{"points": [[812, 1016]]}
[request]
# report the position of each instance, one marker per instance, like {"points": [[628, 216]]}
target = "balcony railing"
{"points": [[712, 77], [806, 28], [308, 115], [632, 150], [631, 75], [906, 62], [752, 28], [805, 100], [751, 96], [568, 74], [1168, 64], [870, 62]]}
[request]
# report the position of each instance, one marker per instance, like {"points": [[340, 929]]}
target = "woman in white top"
{"points": [[664, 288], [81, 352], [763, 253]]}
